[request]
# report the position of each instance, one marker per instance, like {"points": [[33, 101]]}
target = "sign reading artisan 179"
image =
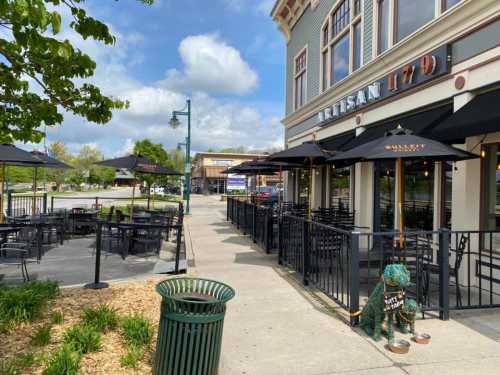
{"points": [[424, 69]]}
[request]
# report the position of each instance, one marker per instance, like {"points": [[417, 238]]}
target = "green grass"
{"points": [[63, 362], [83, 339], [57, 317], [133, 356], [103, 318], [42, 335], [26, 302], [136, 331], [18, 364], [8, 368]]}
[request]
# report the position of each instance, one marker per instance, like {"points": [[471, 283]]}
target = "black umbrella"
{"points": [[307, 153], [138, 164], [401, 144], [10, 155]]}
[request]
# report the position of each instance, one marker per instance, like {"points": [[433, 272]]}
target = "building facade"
{"points": [[207, 176], [358, 68]]}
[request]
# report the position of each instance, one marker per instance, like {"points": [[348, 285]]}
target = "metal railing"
{"points": [[22, 204]]}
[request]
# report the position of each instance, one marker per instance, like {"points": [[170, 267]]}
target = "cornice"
{"points": [[445, 29], [286, 13]]}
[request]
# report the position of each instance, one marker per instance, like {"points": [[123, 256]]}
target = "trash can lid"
{"points": [[195, 290]]}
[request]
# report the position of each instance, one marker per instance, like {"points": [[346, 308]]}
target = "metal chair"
{"points": [[14, 254]]}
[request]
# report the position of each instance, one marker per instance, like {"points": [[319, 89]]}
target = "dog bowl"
{"points": [[399, 346], [422, 338]]}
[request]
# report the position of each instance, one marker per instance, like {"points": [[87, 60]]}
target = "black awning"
{"points": [[420, 123], [337, 142], [480, 116]]}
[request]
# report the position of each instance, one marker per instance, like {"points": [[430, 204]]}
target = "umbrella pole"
{"points": [[282, 187], [33, 204], [1, 194], [401, 198], [133, 198], [310, 187]]}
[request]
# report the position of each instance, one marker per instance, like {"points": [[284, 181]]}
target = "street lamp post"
{"points": [[174, 122]]}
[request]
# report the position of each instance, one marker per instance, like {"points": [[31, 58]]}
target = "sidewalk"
{"points": [[275, 326]]}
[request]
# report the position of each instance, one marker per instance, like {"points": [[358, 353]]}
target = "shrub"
{"points": [[103, 318], [26, 302], [133, 356], [82, 339], [63, 362], [8, 368], [42, 335], [136, 331], [57, 317]]}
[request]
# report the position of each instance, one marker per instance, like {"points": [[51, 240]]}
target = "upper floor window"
{"points": [[341, 43], [411, 15], [447, 4], [300, 79], [396, 19]]}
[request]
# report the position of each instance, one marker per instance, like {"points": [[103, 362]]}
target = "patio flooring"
{"points": [[276, 326], [73, 263]]}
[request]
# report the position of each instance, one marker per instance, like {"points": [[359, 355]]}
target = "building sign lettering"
{"points": [[424, 69]]}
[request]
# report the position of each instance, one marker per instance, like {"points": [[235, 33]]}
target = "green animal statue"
{"points": [[395, 278], [405, 317]]}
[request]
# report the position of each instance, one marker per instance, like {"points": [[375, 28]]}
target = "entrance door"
{"points": [[384, 196]]}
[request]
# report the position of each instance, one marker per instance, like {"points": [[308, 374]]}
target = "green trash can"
{"points": [[191, 320]]}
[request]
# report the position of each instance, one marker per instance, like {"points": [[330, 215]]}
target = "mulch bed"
{"points": [[126, 297]]}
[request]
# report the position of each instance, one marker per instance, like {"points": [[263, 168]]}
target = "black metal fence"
{"points": [[448, 269], [260, 222], [22, 204]]}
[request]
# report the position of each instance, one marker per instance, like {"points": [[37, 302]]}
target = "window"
{"points": [[356, 47], [411, 15], [383, 25], [340, 188], [341, 52], [340, 59], [385, 196], [419, 195], [303, 185], [447, 4], [223, 162], [300, 79], [490, 160]]}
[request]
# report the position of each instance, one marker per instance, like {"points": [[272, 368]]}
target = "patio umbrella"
{"points": [[11, 155], [401, 144], [138, 164], [307, 153], [47, 162]]}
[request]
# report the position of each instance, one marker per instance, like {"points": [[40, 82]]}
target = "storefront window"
{"points": [[491, 194], [340, 188], [384, 199], [419, 195], [304, 186], [447, 193]]}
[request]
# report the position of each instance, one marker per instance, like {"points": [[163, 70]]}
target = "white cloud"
{"points": [[211, 65]]}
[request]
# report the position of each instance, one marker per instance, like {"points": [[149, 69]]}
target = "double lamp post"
{"points": [[174, 123]]}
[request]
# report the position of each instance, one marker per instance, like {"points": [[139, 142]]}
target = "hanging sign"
{"points": [[424, 69]]}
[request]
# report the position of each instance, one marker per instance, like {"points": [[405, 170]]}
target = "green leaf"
{"points": [[56, 22]]}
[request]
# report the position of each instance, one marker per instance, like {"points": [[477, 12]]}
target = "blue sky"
{"points": [[226, 55]]}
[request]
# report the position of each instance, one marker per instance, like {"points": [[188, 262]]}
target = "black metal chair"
{"points": [[14, 254]]}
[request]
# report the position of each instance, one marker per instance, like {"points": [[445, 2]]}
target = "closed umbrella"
{"points": [[138, 164], [11, 155], [401, 144]]}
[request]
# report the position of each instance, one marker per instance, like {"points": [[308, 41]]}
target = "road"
{"points": [[79, 199]]}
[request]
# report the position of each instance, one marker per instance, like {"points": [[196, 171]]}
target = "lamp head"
{"points": [[174, 121]]}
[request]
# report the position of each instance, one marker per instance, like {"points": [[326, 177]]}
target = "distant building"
{"points": [[123, 177], [207, 167]]}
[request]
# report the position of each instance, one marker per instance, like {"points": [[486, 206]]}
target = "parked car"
{"points": [[265, 194]]}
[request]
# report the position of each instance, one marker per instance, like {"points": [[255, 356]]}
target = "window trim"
{"points": [[332, 40], [303, 50]]}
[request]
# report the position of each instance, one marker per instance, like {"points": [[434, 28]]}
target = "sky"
{"points": [[227, 56]]}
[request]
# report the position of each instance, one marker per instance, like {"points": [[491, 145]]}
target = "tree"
{"points": [[42, 76], [157, 154], [86, 170], [59, 151]]}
